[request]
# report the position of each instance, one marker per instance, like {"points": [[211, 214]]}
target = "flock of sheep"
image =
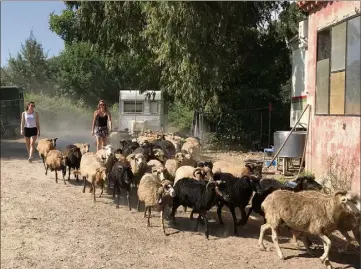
{"points": [[167, 172]]}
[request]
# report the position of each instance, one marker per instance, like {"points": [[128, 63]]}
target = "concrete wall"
{"points": [[335, 137]]}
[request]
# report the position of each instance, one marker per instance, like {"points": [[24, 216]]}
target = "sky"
{"points": [[18, 18]]}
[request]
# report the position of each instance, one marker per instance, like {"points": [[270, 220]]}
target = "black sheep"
{"points": [[198, 196], [72, 159], [240, 191], [208, 164], [167, 147], [127, 147], [121, 176]]}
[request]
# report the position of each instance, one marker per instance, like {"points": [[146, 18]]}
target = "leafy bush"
{"points": [[180, 116]]}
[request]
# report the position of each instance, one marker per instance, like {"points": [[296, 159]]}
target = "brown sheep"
{"points": [[348, 221], [239, 171], [55, 161], [44, 146], [317, 216], [155, 193]]}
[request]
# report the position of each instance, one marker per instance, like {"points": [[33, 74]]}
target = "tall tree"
{"points": [[29, 68]]}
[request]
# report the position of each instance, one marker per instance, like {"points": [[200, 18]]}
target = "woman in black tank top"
{"points": [[101, 118]]}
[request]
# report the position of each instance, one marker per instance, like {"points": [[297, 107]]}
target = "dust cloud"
{"points": [[68, 127]]}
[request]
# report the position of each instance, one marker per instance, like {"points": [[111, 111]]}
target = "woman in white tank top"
{"points": [[30, 128]]}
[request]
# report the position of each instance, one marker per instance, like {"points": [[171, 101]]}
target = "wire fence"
{"points": [[251, 129]]}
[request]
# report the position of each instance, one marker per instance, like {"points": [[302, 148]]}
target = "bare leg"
{"points": [[27, 143], [32, 145], [327, 246], [104, 141], [263, 229], [99, 143], [275, 241]]}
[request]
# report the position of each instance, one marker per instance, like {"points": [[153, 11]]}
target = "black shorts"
{"points": [[29, 132]]}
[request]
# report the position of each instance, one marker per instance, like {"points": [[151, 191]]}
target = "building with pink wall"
{"points": [[332, 85]]}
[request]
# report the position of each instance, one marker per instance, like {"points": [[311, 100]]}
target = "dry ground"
{"points": [[49, 225]]}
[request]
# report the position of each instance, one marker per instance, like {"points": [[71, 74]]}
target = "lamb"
{"points": [[239, 191], [139, 166], [93, 170], [197, 195], [121, 175], [348, 221], [55, 160], [84, 147], [72, 159], [44, 146], [314, 215], [155, 193]]}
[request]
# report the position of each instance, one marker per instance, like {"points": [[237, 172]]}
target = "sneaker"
{"points": [[30, 159]]}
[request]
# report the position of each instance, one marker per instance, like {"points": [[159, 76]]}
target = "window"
{"points": [[133, 107], [153, 107], [338, 69]]}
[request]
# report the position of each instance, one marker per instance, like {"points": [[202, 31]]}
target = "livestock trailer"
{"points": [[12, 104], [142, 111]]}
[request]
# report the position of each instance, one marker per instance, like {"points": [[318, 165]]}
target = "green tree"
{"points": [[81, 73], [29, 68]]}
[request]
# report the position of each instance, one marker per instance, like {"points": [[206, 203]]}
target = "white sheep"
{"points": [[105, 152], [199, 173], [314, 215], [44, 146], [93, 170], [155, 193], [55, 161], [139, 166]]}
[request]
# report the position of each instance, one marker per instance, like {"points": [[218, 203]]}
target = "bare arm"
{"points": [[37, 122], [110, 120], [93, 124], [22, 123]]}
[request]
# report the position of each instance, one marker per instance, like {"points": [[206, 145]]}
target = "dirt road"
{"points": [[49, 225]]}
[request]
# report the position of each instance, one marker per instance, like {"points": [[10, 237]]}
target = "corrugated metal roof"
{"points": [[135, 95]]}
